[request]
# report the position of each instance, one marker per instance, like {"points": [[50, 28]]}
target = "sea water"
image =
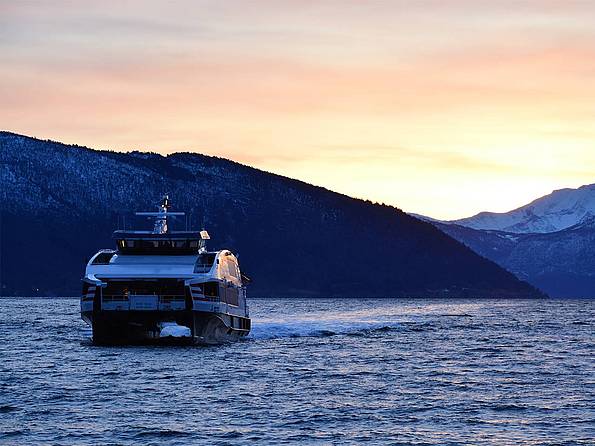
{"points": [[313, 371]]}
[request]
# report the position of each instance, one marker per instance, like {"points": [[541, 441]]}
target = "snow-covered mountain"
{"points": [[559, 210], [548, 242]]}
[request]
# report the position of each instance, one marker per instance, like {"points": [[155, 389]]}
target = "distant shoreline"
{"points": [[352, 298]]}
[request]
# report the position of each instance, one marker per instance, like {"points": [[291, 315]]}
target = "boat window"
{"points": [[206, 258], [230, 295], [162, 287], [233, 270], [103, 258], [167, 246], [211, 289], [229, 267], [204, 262]]}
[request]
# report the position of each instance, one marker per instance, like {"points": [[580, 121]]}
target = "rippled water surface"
{"points": [[378, 371]]}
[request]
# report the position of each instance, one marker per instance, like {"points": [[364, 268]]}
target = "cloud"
{"points": [[329, 91]]}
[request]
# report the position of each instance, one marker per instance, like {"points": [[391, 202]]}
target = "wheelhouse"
{"points": [[170, 243]]}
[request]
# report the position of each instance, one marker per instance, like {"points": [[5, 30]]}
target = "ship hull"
{"points": [[146, 327]]}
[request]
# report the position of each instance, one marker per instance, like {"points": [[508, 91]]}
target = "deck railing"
{"points": [[166, 302]]}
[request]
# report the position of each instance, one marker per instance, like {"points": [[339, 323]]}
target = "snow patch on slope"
{"points": [[554, 212]]}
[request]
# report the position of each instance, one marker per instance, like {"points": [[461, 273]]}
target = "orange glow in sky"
{"points": [[443, 108]]}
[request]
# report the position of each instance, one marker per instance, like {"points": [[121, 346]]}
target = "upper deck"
{"points": [[163, 253], [161, 240]]}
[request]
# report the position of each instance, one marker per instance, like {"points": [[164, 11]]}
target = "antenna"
{"points": [[160, 226]]}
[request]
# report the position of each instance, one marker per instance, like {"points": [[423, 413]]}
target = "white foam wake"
{"points": [[276, 328]]}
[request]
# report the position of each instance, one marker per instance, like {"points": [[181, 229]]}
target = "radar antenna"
{"points": [[160, 225]]}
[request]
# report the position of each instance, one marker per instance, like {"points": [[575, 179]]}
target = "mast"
{"points": [[160, 225]]}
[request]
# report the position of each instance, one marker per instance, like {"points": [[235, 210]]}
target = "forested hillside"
{"points": [[60, 203]]}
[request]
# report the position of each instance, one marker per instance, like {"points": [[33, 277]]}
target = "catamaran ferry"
{"points": [[164, 286]]}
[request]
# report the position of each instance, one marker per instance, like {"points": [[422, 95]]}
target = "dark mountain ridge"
{"points": [[562, 263], [61, 203]]}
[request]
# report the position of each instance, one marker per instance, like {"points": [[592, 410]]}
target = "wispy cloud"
{"points": [[424, 96]]}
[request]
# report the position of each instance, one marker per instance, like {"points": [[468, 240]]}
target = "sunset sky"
{"points": [[444, 108]]}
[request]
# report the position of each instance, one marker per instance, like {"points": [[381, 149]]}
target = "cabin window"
{"points": [[204, 262], [162, 287], [103, 258], [229, 267], [168, 246], [230, 295], [211, 289], [233, 270]]}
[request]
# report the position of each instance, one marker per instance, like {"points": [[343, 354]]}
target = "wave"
{"points": [[273, 329], [162, 433], [8, 408]]}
